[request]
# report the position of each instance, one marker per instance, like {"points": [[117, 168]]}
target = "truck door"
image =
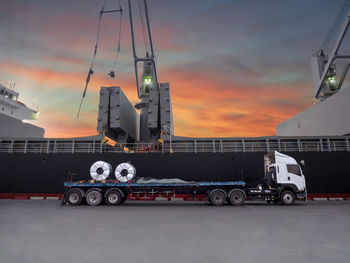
{"points": [[296, 176], [282, 177]]}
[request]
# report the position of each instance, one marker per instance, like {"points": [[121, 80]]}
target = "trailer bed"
{"points": [[189, 184]]}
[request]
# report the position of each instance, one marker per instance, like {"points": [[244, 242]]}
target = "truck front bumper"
{"points": [[302, 195]]}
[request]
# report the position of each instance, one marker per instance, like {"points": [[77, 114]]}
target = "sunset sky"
{"points": [[235, 67]]}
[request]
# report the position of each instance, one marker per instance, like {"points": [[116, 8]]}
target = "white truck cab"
{"points": [[284, 174], [288, 171]]}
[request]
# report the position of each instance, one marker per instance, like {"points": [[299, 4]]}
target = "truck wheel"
{"points": [[94, 197], [287, 198], [236, 198], [114, 198], [217, 198], [74, 197]]}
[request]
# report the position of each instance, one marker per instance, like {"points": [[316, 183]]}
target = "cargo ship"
{"points": [[32, 165]]}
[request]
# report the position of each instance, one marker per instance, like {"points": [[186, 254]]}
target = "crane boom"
{"points": [[323, 67]]}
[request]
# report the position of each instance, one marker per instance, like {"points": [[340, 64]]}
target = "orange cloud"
{"points": [[203, 106]]}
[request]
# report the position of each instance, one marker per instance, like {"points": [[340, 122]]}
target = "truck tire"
{"points": [[287, 197], [114, 198], [74, 197], [94, 198], [217, 198], [236, 198]]}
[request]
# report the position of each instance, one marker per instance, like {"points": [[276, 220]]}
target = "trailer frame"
{"points": [[217, 193]]}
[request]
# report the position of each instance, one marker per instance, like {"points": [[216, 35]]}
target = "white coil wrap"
{"points": [[100, 170], [125, 172]]}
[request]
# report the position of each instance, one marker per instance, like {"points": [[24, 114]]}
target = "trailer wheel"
{"points": [[114, 198], [287, 198], [94, 197], [217, 198], [74, 197], [236, 198]]}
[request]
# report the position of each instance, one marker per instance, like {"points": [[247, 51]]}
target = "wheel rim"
{"points": [[237, 198], [113, 198], [288, 198], [73, 198], [218, 198], [93, 198]]}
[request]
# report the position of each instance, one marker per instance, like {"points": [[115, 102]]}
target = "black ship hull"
{"points": [[325, 172]]}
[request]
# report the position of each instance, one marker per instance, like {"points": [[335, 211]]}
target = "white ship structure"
{"points": [[330, 115], [13, 113]]}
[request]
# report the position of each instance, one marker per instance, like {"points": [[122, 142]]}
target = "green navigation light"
{"points": [[147, 79], [331, 83]]}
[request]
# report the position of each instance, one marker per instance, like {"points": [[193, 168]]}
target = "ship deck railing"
{"points": [[267, 144]]}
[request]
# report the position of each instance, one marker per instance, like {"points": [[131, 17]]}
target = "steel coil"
{"points": [[125, 172], [100, 170]]}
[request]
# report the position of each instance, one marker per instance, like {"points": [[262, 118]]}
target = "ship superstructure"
{"points": [[12, 114]]}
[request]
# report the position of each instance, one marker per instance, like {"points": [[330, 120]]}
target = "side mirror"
{"points": [[303, 168]]}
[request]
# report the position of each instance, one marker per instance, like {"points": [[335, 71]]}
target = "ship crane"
{"points": [[323, 65], [148, 86], [149, 75], [117, 117], [330, 115]]}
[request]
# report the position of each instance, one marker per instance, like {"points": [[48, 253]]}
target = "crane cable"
{"points": [[91, 71], [142, 26], [119, 38]]}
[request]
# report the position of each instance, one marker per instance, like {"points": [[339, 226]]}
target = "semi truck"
{"points": [[283, 183]]}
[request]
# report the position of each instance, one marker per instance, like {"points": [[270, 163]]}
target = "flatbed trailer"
{"points": [[217, 193], [284, 183]]}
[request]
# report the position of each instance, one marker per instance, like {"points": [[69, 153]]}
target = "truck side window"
{"points": [[293, 169]]}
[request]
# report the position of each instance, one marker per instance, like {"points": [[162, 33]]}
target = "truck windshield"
{"points": [[293, 169]]}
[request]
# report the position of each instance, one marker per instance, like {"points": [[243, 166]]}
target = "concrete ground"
{"points": [[43, 231]]}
